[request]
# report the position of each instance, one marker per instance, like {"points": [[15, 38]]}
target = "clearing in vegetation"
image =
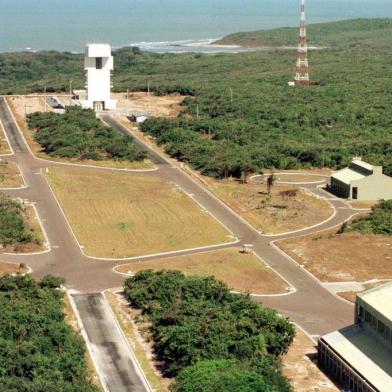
{"points": [[197, 325], [241, 272], [11, 269], [39, 351], [285, 208], [343, 257], [10, 176], [117, 215], [20, 231]]}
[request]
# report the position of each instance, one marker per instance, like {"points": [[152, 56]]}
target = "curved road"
{"points": [[312, 306]]}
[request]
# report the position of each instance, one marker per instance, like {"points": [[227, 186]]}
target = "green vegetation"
{"points": [[248, 118], [378, 222], [13, 227], [78, 134], [346, 33], [38, 350], [197, 319]]}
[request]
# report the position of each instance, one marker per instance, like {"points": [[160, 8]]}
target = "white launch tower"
{"points": [[98, 64]]}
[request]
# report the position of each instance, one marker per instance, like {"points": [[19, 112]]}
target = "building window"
{"points": [[98, 62], [355, 193]]}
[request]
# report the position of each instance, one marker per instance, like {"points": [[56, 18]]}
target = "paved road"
{"points": [[108, 346], [312, 306]]}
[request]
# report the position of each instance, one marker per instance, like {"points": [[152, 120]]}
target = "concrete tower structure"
{"points": [[98, 64]]}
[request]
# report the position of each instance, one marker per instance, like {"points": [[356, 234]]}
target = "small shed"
{"points": [[362, 181]]}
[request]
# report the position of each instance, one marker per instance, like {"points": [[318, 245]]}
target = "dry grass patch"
{"points": [[138, 338], [37, 244], [286, 208], [300, 367], [10, 176], [5, 148], [11, 269], [293, 177], [23, 105], [165, 106], [241, 272], [343, 257], [120, 215]]}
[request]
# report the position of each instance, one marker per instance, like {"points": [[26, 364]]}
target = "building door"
{"points": [[355, 193], [99, 106]]}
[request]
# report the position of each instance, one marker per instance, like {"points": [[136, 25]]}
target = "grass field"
{"points": [[9, 268], [273, 213], [241, 272], [26, 104], [118, 215], [10, 176], [344, 257], [4, 146]]}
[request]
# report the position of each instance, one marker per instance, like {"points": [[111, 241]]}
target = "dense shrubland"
{"points": [[197, 319], [78, 134], [379, 221], [38, 350], [248, 118], [13, 226]]}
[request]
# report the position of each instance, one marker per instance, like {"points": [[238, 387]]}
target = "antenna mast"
{"points": [[302, 67]]}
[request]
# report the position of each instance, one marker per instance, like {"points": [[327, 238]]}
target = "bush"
{"points": [[13, 227], [78, 134], [198, 318], [378, 222], [38, 350]]}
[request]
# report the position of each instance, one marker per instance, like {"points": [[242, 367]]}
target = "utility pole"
{"points": [[302, 66], [127, 98], [197, 111], [231, 95], [70, 89], [148, 89], [45, 98]]}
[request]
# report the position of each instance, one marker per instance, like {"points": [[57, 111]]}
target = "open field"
{"points": [[274, 213], [38, 242], [299, 368], [138, 339], [4, 146], [342, 257], [122, 215], [10, 176], [241, 272], [9, 268], [157, 106], [23, 105]]}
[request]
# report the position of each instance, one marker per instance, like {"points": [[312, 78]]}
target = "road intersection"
{"points": [[310, 305]]}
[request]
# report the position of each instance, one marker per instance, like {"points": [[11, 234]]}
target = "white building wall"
{"points": [[98, 83]]}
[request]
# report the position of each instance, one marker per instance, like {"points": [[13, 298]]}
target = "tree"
{"points": [[220, 375], [271, 179]]}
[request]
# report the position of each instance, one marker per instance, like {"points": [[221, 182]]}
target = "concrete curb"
{"points": [[86, 339], [135, 361]]}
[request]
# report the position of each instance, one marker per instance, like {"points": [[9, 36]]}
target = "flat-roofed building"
{"points": [[362, 181], [360, 357]]}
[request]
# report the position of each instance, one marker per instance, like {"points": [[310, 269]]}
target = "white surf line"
{"points": [[134, 359], [7, 140], [89, 346], [81, 247], [53, 162], [46, 243]]}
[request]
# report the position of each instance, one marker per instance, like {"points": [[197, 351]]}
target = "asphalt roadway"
{"points": [[311, 305]]}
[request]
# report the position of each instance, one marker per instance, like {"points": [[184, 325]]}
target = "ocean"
{"points": [[158, 25]]}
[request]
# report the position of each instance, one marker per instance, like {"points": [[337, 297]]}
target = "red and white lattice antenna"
{"points": [[302, 68]]}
